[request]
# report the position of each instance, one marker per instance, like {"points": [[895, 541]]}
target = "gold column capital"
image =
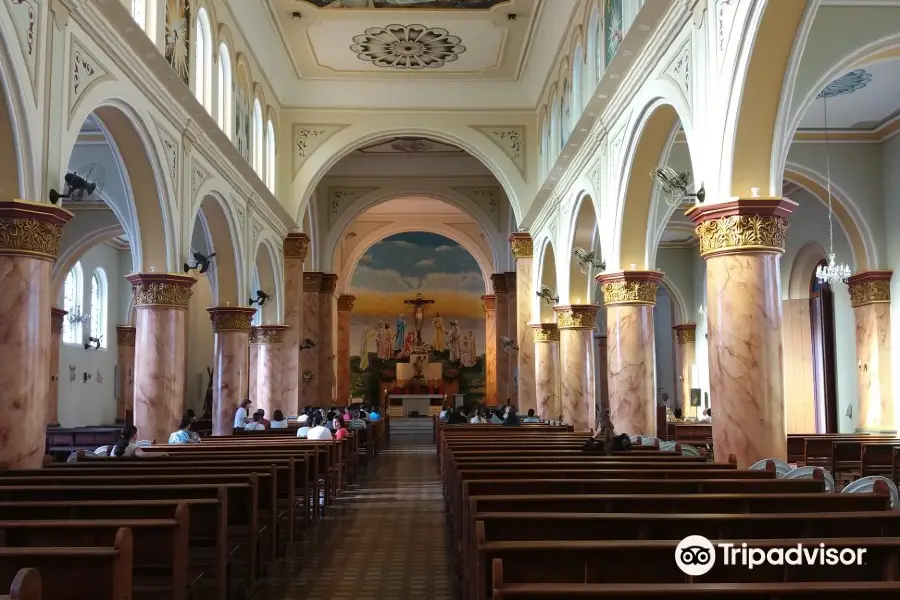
{"points": [[328, 284], [267, 334], [230, 318], [57, 319], [870, 287], [686, 333], [296, 245], [125, 335], [31, 229], [629, 287], [522, 245], [165, 290], [345, 303], [576, 316], [545, 333], [312, 281], [489, 302], [742, 225]]}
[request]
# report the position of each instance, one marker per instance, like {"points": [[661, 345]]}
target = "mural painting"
{"points": [[613, 29], [408, 4], [418, 322], [178, 37]]}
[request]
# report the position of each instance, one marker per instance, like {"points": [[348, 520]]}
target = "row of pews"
{"points": [[198, 522], [531, 516]]}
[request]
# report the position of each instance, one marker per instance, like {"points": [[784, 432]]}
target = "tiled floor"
{"points": [[384, 539]]}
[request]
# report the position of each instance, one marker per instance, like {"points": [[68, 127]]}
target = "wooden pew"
{"points": [[26, 585], [64, 570], [62, 441]]}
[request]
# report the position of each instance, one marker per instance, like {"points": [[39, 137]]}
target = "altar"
{"points": [[400, 405]]}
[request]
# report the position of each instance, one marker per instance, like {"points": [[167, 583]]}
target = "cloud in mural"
{"points": [[428, 262], [443, 249]]}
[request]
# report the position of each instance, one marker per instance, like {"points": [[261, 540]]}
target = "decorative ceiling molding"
{"points": [[510, 139], [85, 72], [198, 176], [616, 150], [488, 198], [847, 83], [25, 15], [308, 138], [679, 71], [170, 148], [725, 13], [407, 47], [339, 198]]}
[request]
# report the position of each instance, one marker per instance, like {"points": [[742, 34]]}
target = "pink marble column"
{"points": [[490, 349], [253, 366], [125, 336], [345, 311], [512, 362], [296, 246], [629, 298], [546, 379], [231, 326], [576, 325], [742, 242], [326, 342], [523, 250], [502, 330], [685, 358], [161, 301], [57, 321], [310, 375], [29, 245], [267, 344], [870, 297]]}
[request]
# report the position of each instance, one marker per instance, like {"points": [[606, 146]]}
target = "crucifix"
{"points": [[418, 314]]}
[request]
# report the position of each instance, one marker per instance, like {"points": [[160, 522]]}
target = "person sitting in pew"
{"points": [[531, 418], [340, 428], [242, 414], [356, 422], [256, 424], [512, 416], [278, 421], [184, 435], [318, 431], [304, 415], [303, 430], [374, 415], [496, 417], [477, 417], [457, 417], [126, 446], [262, 413]]}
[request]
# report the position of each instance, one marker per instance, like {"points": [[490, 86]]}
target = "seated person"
{"points": [[263, 420], [184, 435], [531, 418], [126, 446], [477, 417], [356, 422], [242, 414], [374, 415], [445, 412], [512, 416], [304, 429], [340, 428], [496, 417], [304, 415], [457, 417], [678, 414], [318, 431], [278, 421], [256, 424]]}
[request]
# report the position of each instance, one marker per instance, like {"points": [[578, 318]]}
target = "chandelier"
{"points": [[76, 318], [834, 272]]}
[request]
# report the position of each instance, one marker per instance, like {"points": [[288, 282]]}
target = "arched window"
{"points": [[554, 133], [226, 91], [257, 137], [98, 306], [270, 156], [597, 32], [139, 13], [73, 293], [545, 146], [593, 46], [203, 60], [578, 91], [566, 117]]}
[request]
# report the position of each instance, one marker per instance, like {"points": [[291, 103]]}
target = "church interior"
{"points": [[352, 299]]}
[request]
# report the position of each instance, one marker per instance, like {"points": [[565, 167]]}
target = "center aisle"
{"points": [[383, 539]]}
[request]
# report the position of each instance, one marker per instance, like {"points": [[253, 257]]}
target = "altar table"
{"points": [[400, 405]]}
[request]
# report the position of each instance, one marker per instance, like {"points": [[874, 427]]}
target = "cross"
{"points": [[418, 314]]}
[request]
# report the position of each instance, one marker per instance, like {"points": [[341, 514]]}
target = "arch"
{"points": [[265, 264], [583, 232], [579, 90], [544, 146], [77, 249], [546, 276], [203, 59], [555, 129], [17, 167], [270, 156], [222, 236], [565, 115], [677, 296], [225, 116], [73, 302], [257, 136], [805, 263], [594, 61], [99, 306]]}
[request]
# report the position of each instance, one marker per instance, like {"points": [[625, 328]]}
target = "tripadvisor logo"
{"points": [[695, 555]]}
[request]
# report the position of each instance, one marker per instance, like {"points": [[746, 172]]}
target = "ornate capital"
{"points": [[328, 283], [499, 281], [743, 225], [345, 303], [31, 229], [230, 318], [629, 287], [125, 335], [489, 303], [871, 287], [686, 333], [296, 245], [545, 333], [267, 334], [57, 319], [164, 290], [312, 282], [522, 245], [576, 316]]}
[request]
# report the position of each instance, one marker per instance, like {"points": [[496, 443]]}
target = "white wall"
{"points": [[665, 358]]}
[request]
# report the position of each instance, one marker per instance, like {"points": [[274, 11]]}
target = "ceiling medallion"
{"points": [[407, 47], [846, 84]]}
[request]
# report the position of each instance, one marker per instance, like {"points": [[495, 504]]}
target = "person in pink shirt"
{"points": [[340, 430]]}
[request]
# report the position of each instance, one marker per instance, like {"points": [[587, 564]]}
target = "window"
{"points": [[578, 91], [73, 292], [203, 60], [566, 117], [545, 145], [257, 135], [554, 133], [270, 156], [592, 49], [226, 91], [597, 34], [98, 306], [139, 13]]}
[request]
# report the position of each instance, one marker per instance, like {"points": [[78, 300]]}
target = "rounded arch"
{"points": [[347, 140], [153, 238], [677, 296], [804, 266], [223, 239], [17, 168], [266, 264], [73, 253], [546, 277], [346, 271], [584, 232]]}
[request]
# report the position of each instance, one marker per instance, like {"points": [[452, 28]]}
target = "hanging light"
{"points": [[76, 318], [834, 272]]}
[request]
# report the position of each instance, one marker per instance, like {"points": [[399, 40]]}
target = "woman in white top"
{"points": [[126, 447], [318, 431], [278, 421], [256, 424]]}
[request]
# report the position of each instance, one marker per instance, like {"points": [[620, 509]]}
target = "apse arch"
{"points": [[542, 312], [16, 145], [345, 141], [584, 232], [221, 236], [265, 262], [805, 262]]}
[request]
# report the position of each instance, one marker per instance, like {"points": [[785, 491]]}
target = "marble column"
{"points": [[326, 342], [490, 349], [512, 362], [296, 246], [57, 321], [685, 358], [345, 311], [125, 336], [253, 368], [576, 325], [310, 377], [29, 245], [546, 370], [742, 241], [231, 328], [267, 343], [523, 250], [501, 330], [161, 301], [870, 297], [629, 298]]}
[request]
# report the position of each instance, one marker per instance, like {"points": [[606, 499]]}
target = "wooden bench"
{"points": [[26, 585]]}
